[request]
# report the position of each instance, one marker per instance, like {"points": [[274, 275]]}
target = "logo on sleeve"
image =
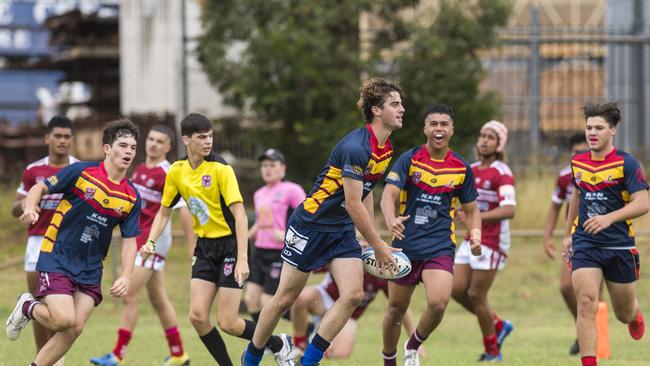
{"points": [[393, 176], [53, 180], [354, 169]]}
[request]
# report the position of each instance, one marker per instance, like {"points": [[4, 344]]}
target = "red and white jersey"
{"points": [[563, 186], [371, 286], [150, 183], [35, 173], [496, 187]]}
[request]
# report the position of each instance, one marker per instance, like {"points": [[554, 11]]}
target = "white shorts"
{"points": [[489, 259], [32, 251], [156, 262]]}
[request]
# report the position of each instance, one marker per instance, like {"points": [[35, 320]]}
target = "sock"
{"points": [[214, 343], [28, 308], [491, 346], [498, 322], [174, 341], [415, 340], [123, 338], [274, 343], [314, 352], [300, 341], [256, 317], [589, 361], [253, 355], [390, 359], [33, 364]]}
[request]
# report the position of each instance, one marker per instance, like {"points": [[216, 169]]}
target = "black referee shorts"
{"points": [[215, 259]]}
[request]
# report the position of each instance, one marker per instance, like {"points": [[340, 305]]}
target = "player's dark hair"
{"points": [[611, 112], [165, 130], [119, 128], [440, 109], [195, 123], [373, 92], [60, 122], [576, 139]]}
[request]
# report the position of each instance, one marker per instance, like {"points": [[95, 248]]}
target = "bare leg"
{"points": [[586, 283], [477, 293], [160, 301], [343, 343], [438, 285], [462, 278], [399, 298], [202, 295], [41, 334], [130, 300]]}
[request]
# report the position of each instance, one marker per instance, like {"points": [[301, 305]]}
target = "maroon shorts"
{"points": [[54, 283], [444, 263]]}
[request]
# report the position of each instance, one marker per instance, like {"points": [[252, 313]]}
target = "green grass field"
{"points": [[526, 293]]}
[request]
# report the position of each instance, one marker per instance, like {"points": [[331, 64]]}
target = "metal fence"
{"points": [[544, 76]]}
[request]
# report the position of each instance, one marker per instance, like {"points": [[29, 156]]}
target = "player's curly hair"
{"points": [[373, 92], [120, 128], [611, 112]]}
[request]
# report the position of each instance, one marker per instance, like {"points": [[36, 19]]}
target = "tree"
{"points": [[297, 66]]}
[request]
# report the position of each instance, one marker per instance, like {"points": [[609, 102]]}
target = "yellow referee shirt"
{"points": [[208, 190]]}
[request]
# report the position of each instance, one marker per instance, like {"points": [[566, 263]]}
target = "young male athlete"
{"points": [[561, 193], [149, 179], [611, 190], [322, 229], [274, 203], [58, 139], [96, 198], [496, 201], [210, 188], [426, 182]]}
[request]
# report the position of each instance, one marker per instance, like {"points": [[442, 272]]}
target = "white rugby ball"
{"points": [[370, 265]]}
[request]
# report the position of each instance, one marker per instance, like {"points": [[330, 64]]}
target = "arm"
{"points": [[638, 206], [549, 226], [159, 223], [241, 231], [31, 210], [499, 213], [572, 213], [388, 203], [186, 222], [353, 190], [17, 207], [121, 285], [473, 222]]}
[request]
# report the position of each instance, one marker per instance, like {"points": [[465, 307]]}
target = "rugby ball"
{"points": [[370, 265]]}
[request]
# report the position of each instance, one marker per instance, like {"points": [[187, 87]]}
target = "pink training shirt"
{"points": [[272, 206]]}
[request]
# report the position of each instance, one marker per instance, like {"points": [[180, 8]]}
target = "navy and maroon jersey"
{"points": [[605, 186], [357, 156], [79, 235], [430, 191], [35, 173], [563, 186], [371, 286], [496, 187]]}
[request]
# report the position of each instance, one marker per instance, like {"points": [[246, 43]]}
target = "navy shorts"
{"points": [[265, 266], [308, 249], [619, 266]]}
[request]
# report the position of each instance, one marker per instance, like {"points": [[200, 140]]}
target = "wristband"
{"points": [[475, 234], [153, 243]]}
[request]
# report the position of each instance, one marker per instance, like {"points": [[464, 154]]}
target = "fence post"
{"points": [[533, 84]]}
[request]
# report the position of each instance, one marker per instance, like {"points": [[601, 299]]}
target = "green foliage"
{"points": [[297, 66], [443, 65]]}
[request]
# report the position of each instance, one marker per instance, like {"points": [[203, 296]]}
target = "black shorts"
{"points": [[214, 261], [265, 266]]}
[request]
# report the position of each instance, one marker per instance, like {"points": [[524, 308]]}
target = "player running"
{"points": [[496, 201], [562, 193], [220, 264], [274, 203], [322, 229], [96, 198], [426, 183], [611, 190], [149, 179], [58, 139]]}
